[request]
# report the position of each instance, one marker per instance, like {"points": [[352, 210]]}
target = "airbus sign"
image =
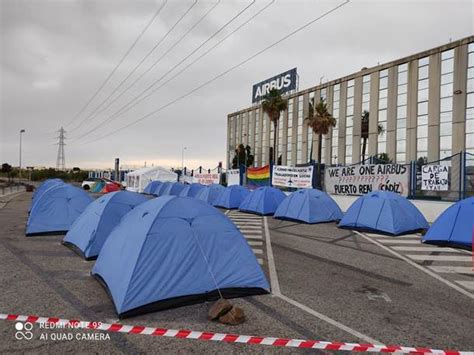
{"points": [[284, 82]]}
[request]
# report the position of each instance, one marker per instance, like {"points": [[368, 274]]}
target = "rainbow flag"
{"points": [[257, 177]]}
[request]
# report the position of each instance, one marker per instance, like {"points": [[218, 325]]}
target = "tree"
{"points": [[243, 155], [273, 104], [7, 169], [365, 131], [320, 121]]}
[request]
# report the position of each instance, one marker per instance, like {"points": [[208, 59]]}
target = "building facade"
{"points": [[423, 102]]}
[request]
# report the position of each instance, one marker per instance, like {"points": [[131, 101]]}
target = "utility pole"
{"points": [[61, 158]]}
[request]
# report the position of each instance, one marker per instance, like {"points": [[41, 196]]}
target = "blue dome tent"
{"points": [[191, 190], [310, 206], [384, 211], [210, 193], [56, 209], [151, 187], [264, 201], [455, 226], [174, 251], [90, 230], [232, 196], [173, 189], [46, 185], [161, 188]]}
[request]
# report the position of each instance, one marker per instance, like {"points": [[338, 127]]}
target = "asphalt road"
{"points": [[328, 284]]}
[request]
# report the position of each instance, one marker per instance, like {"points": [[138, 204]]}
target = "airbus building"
{"points": [[424, 104]]}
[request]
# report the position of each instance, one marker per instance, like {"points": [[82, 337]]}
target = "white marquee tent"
{"points": [[137, 180]]}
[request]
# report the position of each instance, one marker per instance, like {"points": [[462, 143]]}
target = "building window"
{"points": [[365, 110], [336, 95], [349, 120], [231, 138], [402, 92], [251, 129], [323, 97], [422, 114], [258, 142], [446, 104], [470, 101], [289, 146], [382, 117], [299, 133], [244, 129], [313, 102], [280, 138]]}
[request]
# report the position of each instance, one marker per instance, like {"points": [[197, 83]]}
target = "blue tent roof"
{"points": [[384, 211], [191, 190], [310, 206], [210, 193], [264, 201], [173, 189], [232, 196], [454, 226], [57, 209], [90, 230], [47, 184], [151, 187], [172, 251], [161, 188]]}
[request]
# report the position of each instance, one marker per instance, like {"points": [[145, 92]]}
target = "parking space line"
{"points": [[440, 258], [423, 248], [419, 267], [255, 244], [275, 286], [253, 236], [453, 269], [467, 284], [395, 241]]}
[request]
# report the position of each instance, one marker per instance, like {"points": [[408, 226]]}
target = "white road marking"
{"points": [[469, 270], [275, 285], [419, 267], [389, 241], [467, 284], [260, 261], [385, 236], [257, 251], [376, 296], [440, 258], [425, 249], [255, 244]]}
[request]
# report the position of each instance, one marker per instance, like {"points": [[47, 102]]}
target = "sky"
{"points": [[56, 54]]}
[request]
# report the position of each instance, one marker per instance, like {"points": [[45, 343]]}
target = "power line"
{"points": [[169, 71], [299, 29], [160, 58], [157, 44], [126, 109], [155, 15]]}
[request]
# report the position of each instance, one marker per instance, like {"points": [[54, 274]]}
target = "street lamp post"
{"points": [[21, 134]]}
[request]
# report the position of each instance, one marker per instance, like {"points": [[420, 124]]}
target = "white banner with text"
{"points": [[291, 176]]}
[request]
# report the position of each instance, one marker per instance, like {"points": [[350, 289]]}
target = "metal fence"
{"points": [[468, 175]]}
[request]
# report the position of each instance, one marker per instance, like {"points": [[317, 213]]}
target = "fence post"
{"points": [[462, 175]]}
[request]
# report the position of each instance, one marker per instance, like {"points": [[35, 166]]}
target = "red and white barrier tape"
{"points": [[228, 338]]}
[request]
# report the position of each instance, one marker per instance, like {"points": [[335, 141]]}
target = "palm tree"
{"points": [[320, 120], [273, 105], [365, 131]]}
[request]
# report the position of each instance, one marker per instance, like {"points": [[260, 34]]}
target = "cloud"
{"points": [[55, 54]]}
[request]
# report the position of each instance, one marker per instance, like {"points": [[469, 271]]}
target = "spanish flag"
{"points": [[257, 177]]}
